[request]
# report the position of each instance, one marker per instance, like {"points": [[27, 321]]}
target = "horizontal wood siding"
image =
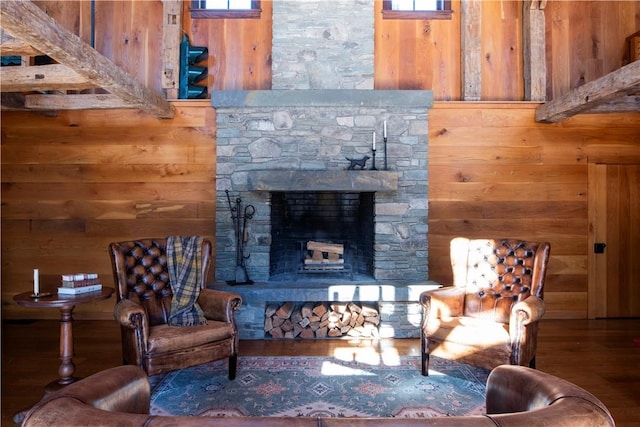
{"points": [[73, 183], [494, 172]]}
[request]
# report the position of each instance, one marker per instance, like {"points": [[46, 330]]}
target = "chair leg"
{"points": [[532, 363], [233, 365], [425, 364], [425, 358]]}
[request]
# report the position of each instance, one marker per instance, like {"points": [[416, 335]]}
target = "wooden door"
{"points": [[614, 218]]}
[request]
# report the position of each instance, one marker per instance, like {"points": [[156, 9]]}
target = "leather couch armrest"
{"points": [[528, 311], [123, 389], [219, 305], [521, 396], [443, 302], [131, 315]]}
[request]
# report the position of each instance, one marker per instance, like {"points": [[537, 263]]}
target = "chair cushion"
{"points": [[165, 338], [470, 331]]}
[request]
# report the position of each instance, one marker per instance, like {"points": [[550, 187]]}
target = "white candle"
{"points": [[36, 281], [374, 141], [384, 127]]}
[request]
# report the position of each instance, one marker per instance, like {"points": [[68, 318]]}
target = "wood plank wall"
{"points": [[493, 172], [239, 49], [585, 40], [75, 182]]}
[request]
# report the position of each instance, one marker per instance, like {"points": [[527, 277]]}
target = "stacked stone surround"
{"points": [[297, 132], [320, 44], [297, 136]]}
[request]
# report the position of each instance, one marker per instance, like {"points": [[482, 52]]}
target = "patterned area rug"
{"points": [[320, 386]]}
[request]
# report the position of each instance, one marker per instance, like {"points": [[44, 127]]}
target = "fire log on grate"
{"points": [[324, 256], [321, 320]]}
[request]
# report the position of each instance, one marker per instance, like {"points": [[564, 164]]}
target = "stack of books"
{"points": [[73, 284]]}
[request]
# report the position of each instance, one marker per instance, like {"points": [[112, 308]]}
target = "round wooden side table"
{"points": [[66, 304]]}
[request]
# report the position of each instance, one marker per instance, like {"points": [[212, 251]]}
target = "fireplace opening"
{"points": [[342, 219]]}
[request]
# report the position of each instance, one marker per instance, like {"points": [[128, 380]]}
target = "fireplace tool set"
{"points": [[240, 217]]}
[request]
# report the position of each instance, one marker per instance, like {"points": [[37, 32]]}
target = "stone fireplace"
{"points": [[276, 149], [287, 152]]}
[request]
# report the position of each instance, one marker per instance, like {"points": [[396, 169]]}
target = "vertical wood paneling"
{"points": [[502, 51], [419, 54], [130, 34], [239, 49], [586, 40]]}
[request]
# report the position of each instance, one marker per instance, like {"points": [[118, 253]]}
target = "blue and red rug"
{"points": [[320, 386]]}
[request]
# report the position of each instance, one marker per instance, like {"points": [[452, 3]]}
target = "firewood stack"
{"points": [[313, 320]]}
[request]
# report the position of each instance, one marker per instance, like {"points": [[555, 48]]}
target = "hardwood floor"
{"points": [[602, 356]]}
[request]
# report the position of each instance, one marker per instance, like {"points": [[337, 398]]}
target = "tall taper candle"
{"points": [[36, 281], [384, 128], [374, 141]]}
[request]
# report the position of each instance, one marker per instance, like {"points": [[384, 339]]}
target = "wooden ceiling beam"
{"points": [[16, 47], [617, 84], [629, 103], [42, 78], [27, 22], [74, 102], [12, 101]]}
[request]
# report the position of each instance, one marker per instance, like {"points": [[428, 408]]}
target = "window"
{"points": [[416, 9], [225, 9]]}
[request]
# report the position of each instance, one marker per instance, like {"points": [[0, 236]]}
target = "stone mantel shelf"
{"points": [[323, 180], [421, 99]]}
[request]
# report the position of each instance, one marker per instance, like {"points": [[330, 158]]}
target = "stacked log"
{"points": [[316, 320], [324, 256]]}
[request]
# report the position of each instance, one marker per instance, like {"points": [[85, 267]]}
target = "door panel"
{"points": [[614, 289]]}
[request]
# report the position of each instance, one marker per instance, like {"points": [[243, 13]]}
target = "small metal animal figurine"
{"points": [[357, 162]]}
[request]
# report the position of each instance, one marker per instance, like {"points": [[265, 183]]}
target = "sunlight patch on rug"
{"points": [[321, 387]]}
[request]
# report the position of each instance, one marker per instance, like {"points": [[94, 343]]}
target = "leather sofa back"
{"points": [[516, 397]]}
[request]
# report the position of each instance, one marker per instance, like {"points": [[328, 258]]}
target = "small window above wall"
{"points": [[416, 9], [242, 9]]}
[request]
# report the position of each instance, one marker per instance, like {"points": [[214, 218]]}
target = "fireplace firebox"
{"points": [[340, 218]]}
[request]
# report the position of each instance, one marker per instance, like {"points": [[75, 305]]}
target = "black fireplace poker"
{"points": [[240, 217]]}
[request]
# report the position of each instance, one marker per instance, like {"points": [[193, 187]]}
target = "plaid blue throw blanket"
{"points": [[184, 262]]}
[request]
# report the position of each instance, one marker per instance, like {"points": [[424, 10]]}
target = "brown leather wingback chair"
{"points": [[144, 303], [489, 316]]}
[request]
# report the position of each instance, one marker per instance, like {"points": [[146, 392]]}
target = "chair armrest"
{"points": [[118, 389], [219, 305], [443, 302], [131, 315], [528, 311]]}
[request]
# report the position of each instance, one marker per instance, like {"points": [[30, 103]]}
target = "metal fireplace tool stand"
{"points": [[239, 217]]}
